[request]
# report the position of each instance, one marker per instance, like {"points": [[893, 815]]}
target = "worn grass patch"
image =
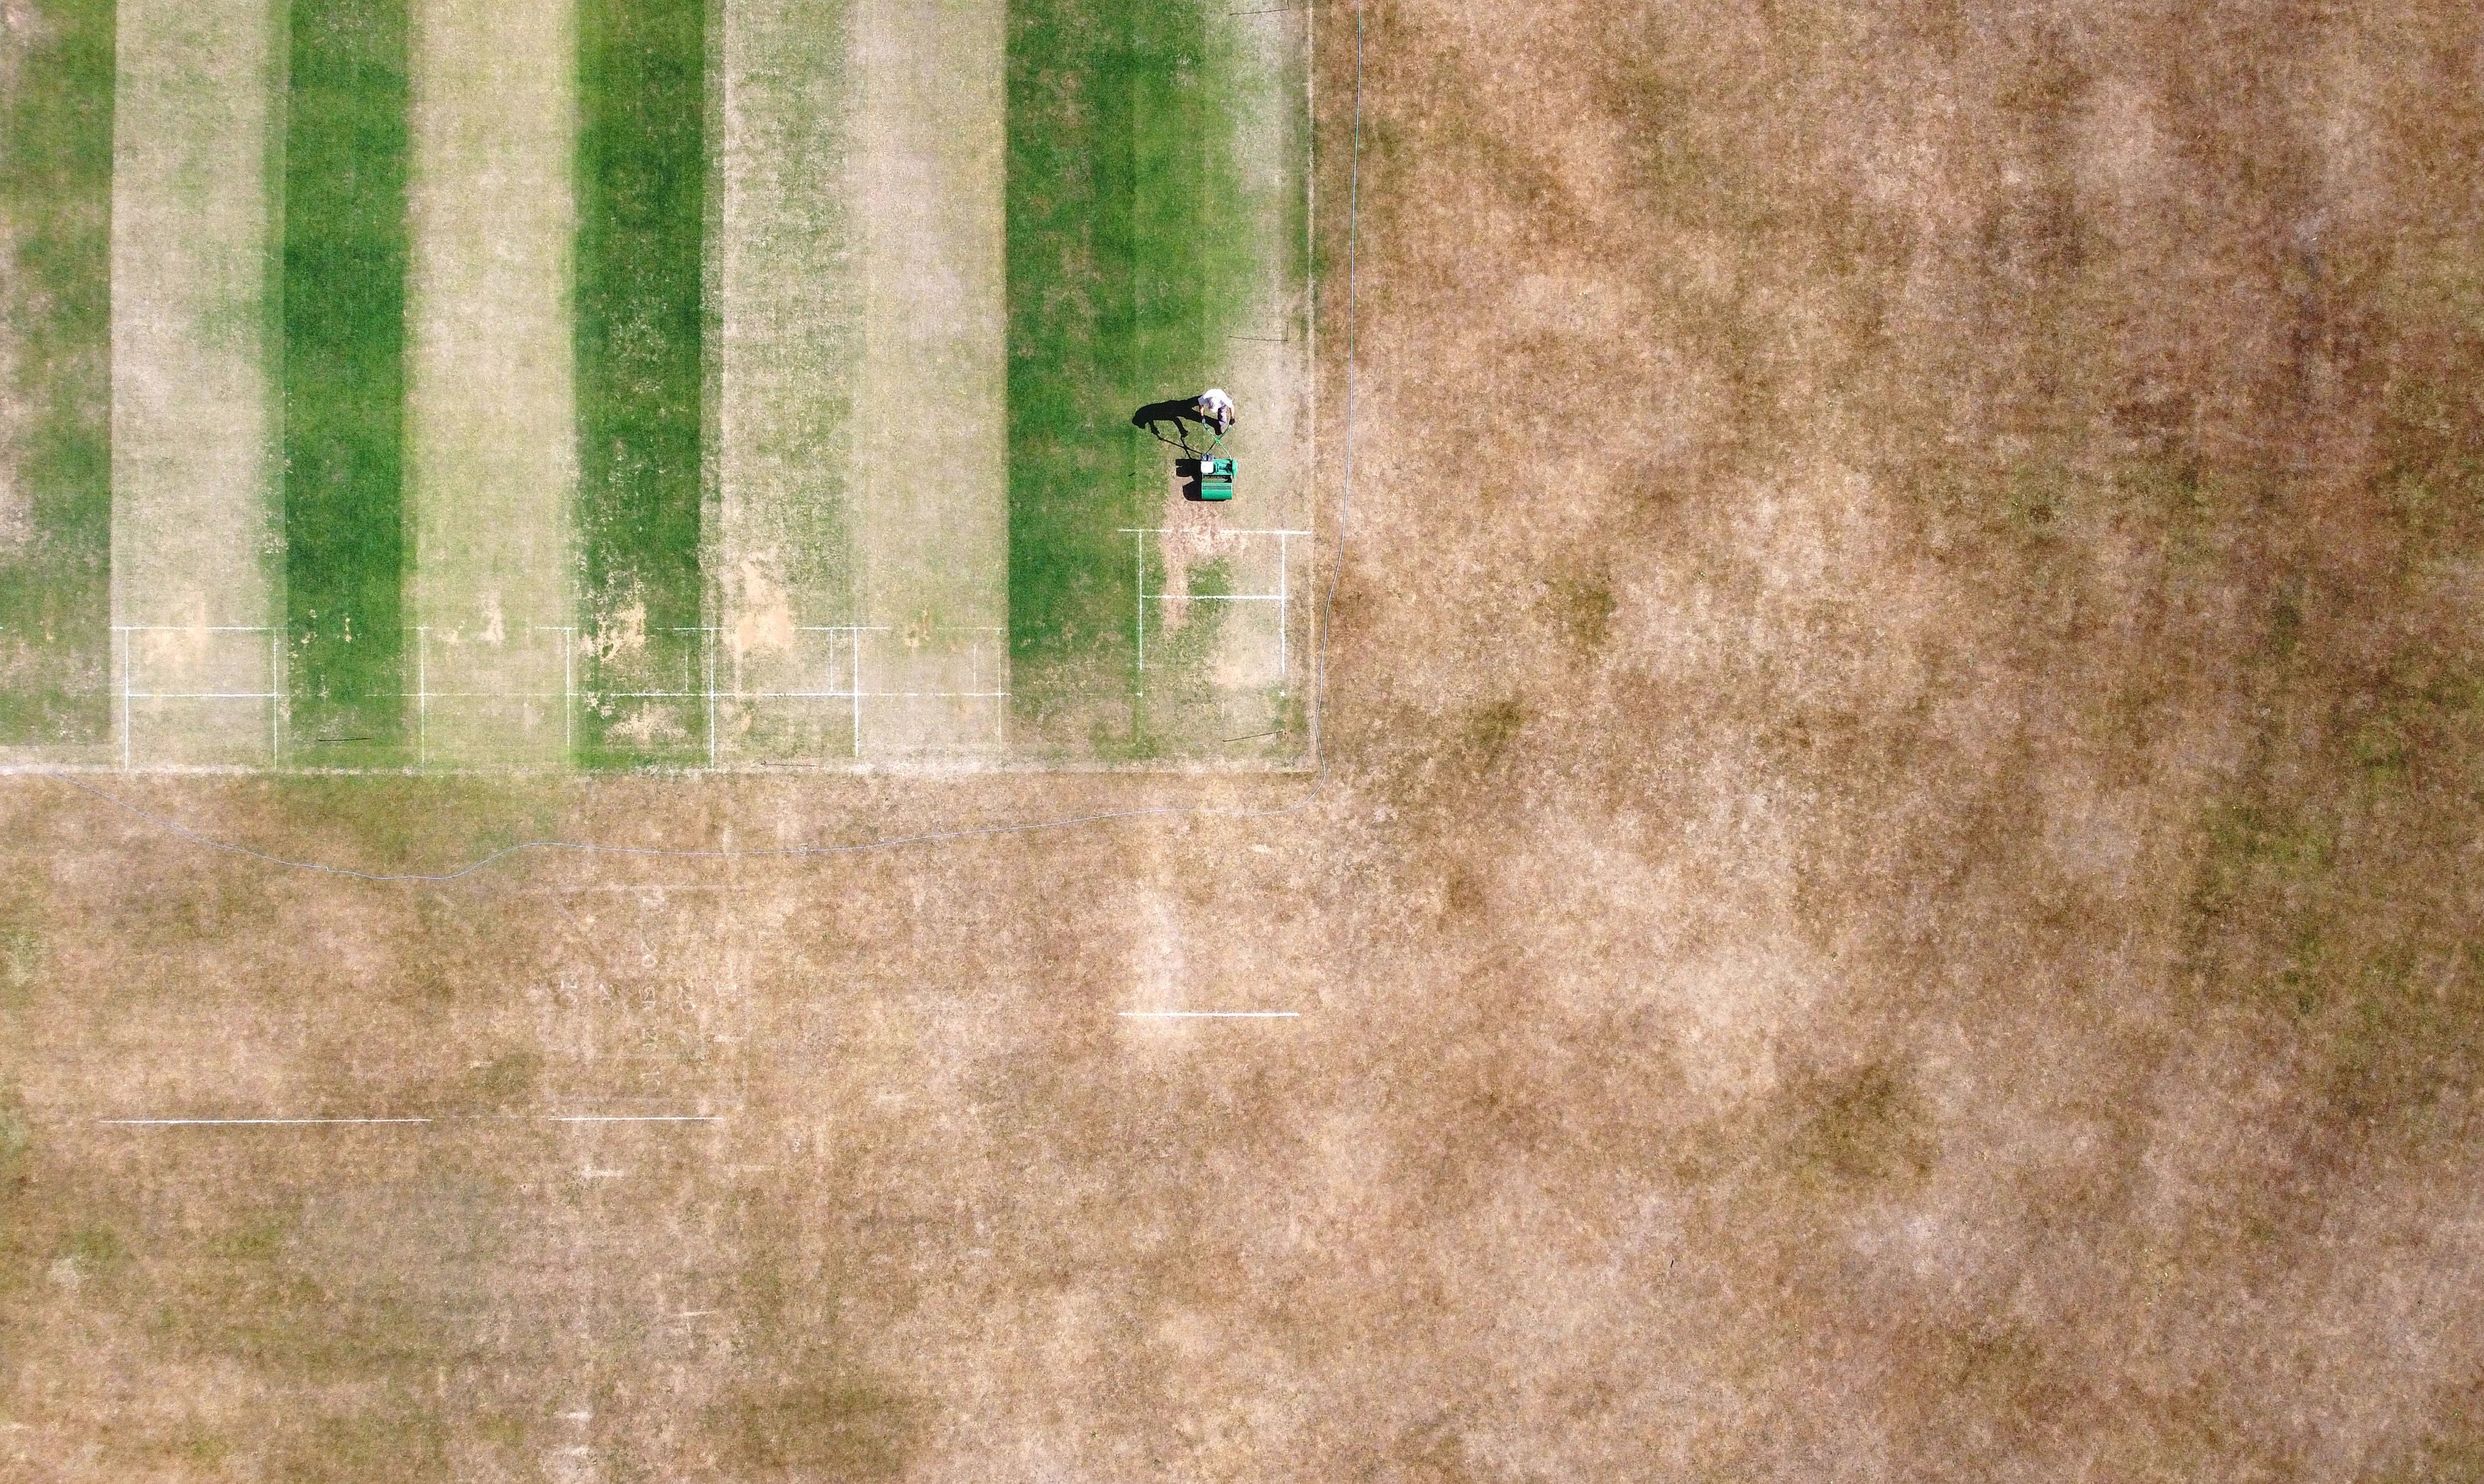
{"points": [[641, 187], [1867, 1127], [56, 82], [406, 824], [346, 245], [819, 1429]]}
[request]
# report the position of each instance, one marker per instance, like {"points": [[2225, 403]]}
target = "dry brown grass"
{"points": [[1897, 897]]}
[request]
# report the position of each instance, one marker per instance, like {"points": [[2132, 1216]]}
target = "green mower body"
{"points": [[1215, 479]]}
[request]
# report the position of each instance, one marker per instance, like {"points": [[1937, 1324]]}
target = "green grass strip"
{"points": [[56, 304], [344, 311], [1123, 284], [643, 177]]}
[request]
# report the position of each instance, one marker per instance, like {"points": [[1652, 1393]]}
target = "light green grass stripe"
{"points": [[640, 333], [930, 529], [56, 359], [490, 410], [343, 312], [197, 525], [789, 337], [1124, 282]]}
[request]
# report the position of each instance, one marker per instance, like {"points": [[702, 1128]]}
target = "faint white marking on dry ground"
{"points": [[1210, 1014]]}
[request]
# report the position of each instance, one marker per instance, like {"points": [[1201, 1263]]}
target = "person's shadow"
{"points": [[1172, 423], [1175, 424]]}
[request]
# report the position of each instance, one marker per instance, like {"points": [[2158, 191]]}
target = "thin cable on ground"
{"points": [[1319, 682]]}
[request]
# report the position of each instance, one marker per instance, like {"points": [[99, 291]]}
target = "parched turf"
{"points": [[642, 166], [56, 304], [1125, 278], [346, 559]]}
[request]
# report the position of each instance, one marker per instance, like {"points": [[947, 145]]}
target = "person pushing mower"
{"points": [[1215, 475], [1208, 474]]}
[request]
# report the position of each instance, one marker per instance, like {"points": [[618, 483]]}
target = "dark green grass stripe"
{"points": [[56, 302], [343, 312], [642, 167], [1122, 280]]}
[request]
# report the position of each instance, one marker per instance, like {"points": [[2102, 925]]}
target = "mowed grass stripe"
{"points": [[198, 518], [490, 420], [56, 317], [1123, 284], [343, 312], [931, 519], [789, 340], [642, 164]]}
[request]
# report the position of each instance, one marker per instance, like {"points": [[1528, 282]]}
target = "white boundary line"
{"points": [[1210, 1015], [421, 696]]}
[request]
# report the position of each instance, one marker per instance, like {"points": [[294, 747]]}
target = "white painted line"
{"points": [[1210, 1015], [1284, 618], [814, 695], [126, 645], [631, 1118], [1218, 597], [422, 695]]}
